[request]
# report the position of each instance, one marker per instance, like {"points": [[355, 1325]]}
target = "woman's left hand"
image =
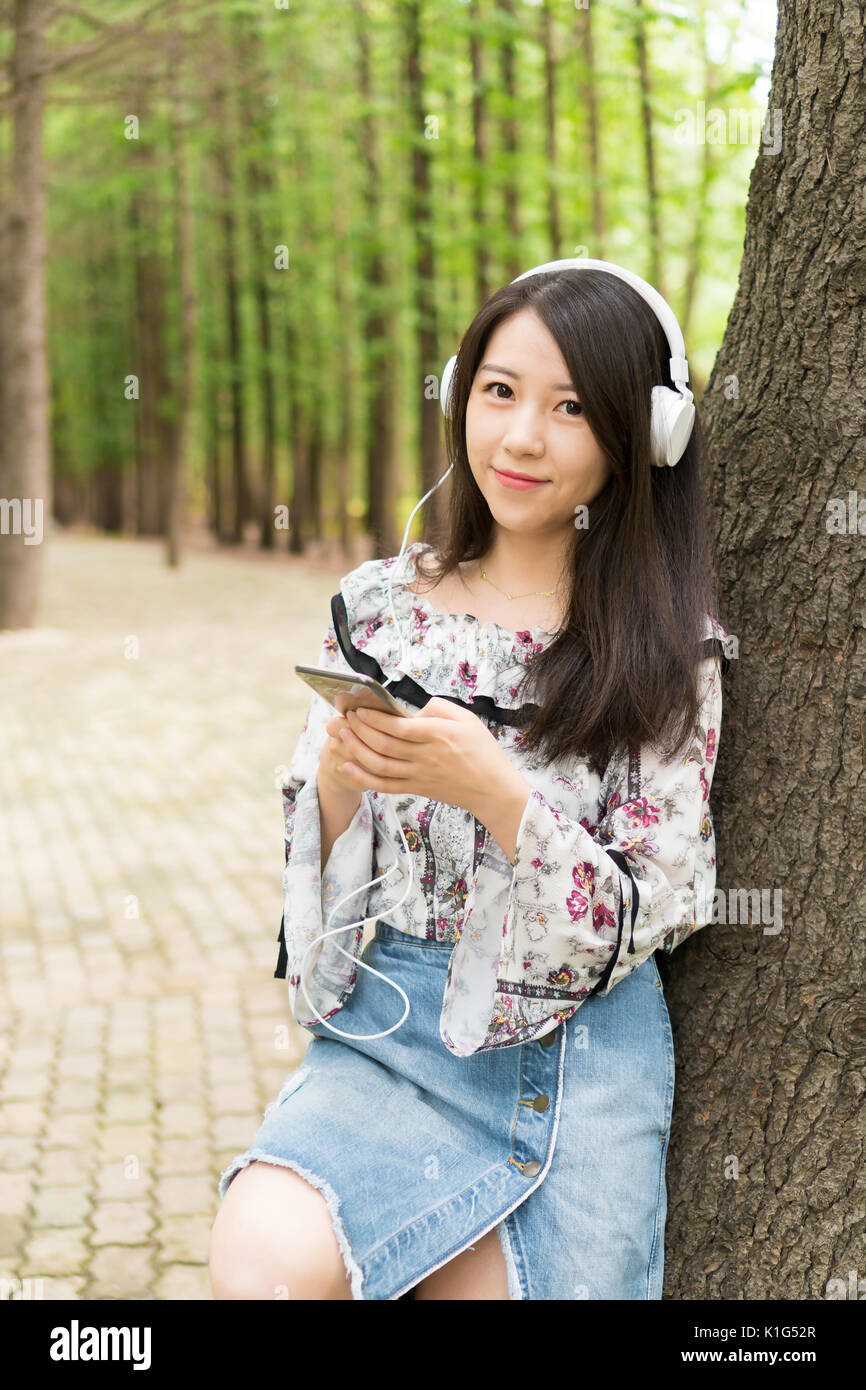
{"points": [[445, 753]]}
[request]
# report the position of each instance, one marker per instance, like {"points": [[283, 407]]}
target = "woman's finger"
{"points": [[376, 763], [377, 739]]}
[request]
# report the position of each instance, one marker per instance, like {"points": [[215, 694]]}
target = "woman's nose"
{"points": [[524, 439]]}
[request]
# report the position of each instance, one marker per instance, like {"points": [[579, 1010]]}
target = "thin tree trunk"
{"points": [[702, 196], [346, 311], [25, 444], [224, 159], [379, 332], [589, 103], [553, 218], [480, 155], [655, 259], [152, 431], [424, 264], [510, 144], [183, 249], [256, 134], [213, 469], [298, 352]]}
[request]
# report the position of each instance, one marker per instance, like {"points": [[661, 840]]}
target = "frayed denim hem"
{"points": [[260, 1156], [514, 1289]]}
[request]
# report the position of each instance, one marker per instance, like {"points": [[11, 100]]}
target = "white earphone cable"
{"points": [[330, 931]]}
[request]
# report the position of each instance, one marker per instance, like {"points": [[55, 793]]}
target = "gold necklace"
{"points": [[538, 593]]}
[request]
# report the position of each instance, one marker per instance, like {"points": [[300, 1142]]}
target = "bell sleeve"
{"points": [[308, 892], [582, 906]]}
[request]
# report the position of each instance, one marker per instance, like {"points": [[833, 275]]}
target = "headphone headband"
{"points": [[679, 367], [672, 410]]}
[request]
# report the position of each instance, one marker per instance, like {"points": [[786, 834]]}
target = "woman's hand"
{"points": [[445, 753], [333, 757]]}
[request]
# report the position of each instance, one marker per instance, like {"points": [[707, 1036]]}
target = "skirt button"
{"points": [[531, 1168], [549, 1039], [541, 1102]]}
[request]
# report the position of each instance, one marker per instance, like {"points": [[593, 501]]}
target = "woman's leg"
{"points": [[273, 1238], [474, 1274]]}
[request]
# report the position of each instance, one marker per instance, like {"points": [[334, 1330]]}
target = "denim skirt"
{"points": [[558, 1144]]}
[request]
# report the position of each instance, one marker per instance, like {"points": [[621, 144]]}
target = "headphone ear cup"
{"points": [[445, 385], [672, 421]]}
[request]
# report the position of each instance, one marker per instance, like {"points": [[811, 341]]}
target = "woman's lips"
{"points": [[507, 481]]}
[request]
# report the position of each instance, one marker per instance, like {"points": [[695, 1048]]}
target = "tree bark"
{"points": [[656, 274], [589, 102], [510, 142], [152, 430], [257, 142], [183, 241], [224, 159], [702, 196], [424, 268], [379, 331], [25, 443], [480, 155], [767, 1166], [552, 170]]}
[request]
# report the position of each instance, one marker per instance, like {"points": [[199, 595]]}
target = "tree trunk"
{"points": [[702, 196], [553, 218], [152, 430], [224, 159], [346, 310], [379, 333], [25, 444], [510, 184], [256, 140], [655, 275], [589, 103], [183, 250], [421, 215], [298, 353], [767, 1166], [480, 156]]}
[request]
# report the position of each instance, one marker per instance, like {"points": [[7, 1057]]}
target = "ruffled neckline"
{"points": [[412, 553]]}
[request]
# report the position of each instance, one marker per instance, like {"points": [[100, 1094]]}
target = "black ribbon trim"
{"points": [[410, 691], [283, 958], [622, 863], [713, 646]]}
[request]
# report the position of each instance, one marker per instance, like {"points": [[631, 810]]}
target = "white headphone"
{"points": [[673, 411]]}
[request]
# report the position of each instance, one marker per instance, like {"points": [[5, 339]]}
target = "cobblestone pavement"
{"points": [[147, 725]]}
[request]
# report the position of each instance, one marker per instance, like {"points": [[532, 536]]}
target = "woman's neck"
{"points": [[524, 564]]}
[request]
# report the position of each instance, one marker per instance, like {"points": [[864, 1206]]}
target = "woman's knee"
{"points": [[272, 1238]]}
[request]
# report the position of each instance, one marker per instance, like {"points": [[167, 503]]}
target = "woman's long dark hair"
{"points": [[643, 574]]}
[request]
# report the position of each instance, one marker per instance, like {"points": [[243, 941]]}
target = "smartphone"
{"points": [[355, 692]]}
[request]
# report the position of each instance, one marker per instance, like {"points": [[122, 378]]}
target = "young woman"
{"points": [[508, 1140]]}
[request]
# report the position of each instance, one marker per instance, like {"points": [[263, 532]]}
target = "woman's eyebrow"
{"points": [[492, 367]]}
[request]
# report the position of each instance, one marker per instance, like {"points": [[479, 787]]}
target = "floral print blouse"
{"points": [[531, 940]]}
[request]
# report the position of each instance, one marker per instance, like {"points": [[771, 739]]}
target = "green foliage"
{"points": [[281, 140]]}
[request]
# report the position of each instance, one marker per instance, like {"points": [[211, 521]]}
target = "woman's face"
{"points": [[524, 417]]}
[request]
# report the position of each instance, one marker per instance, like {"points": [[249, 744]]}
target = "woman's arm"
{"points": [[581, 907], [337, 809]]}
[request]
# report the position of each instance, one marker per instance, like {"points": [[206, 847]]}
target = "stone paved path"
{"points": [[146, 725]]}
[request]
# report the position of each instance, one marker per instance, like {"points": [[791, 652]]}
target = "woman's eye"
{"points": [[494, 386]]}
